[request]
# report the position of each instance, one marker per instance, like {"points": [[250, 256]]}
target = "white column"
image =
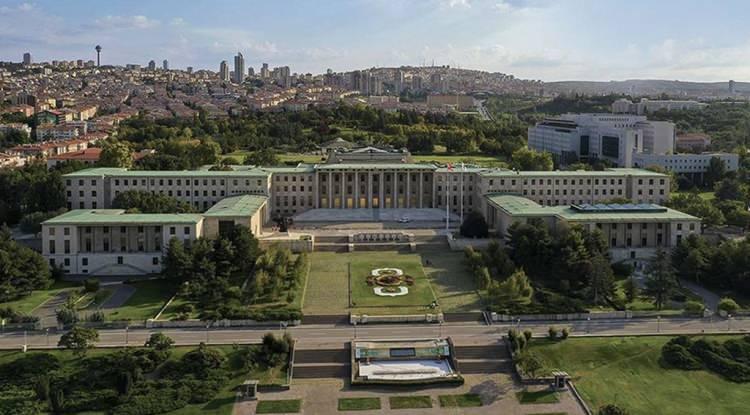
{"points": [[421, 192], [317, 190], [356, 189], [394, 189], [381, 190], [342, 176], [408, 189], [369, 190], [330, 190]]}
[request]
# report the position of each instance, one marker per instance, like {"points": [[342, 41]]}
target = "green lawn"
{"points": [[410, 402], [27, 304], [537, 397], [478, 159], [279, 407], [364, 298], [358, 404], [626, 371], [454, 286], [327, 286], [283, 157], [466, 400], [704, 195], [149, 297]]}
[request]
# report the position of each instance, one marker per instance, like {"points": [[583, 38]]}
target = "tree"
{"points": [[631, 289], [177, 261], [246, 248], [612, 409], [529, 159], [263, 157], [116, 154], [728, 305], [79, 339], [21, 269], [57, 401], [731, 188], [661, 280], [716, 171], [529, 364], [146, 202], [474, 225], [42, 388], [602, 279], [159, 341], [514, 290]]}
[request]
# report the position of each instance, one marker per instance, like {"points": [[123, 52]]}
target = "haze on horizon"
{"points": [[550, 40]]}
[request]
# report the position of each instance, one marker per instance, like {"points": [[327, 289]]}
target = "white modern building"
{"points": [[686, 163], [572, 137], [646, 106]]}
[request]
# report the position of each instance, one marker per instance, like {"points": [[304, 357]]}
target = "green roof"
{"points": [[109, 171], [244, 205], [118, 216], [375, 166], [523, 207], [571, 173], [301, 168]]}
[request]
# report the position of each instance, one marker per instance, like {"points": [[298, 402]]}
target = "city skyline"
{"points": [[532, 39]]}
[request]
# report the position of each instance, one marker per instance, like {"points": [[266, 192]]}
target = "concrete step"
{"points": [[471, 317], [481, 352], [321, 372], [479, 367], [321, 356]]}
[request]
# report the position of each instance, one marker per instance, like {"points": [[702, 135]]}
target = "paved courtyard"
{"points": [[496, 391]]}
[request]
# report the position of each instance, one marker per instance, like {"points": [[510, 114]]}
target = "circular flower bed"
{"points": [[389, 280]]}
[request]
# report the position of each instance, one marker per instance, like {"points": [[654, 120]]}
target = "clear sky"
{"points": [[701, 40]]}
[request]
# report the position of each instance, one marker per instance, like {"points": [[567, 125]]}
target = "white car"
{"points": [[404, 219]]}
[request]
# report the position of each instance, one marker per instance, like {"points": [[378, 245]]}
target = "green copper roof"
{"points": [[245, 205], [374, 166], [107, 171], [573, 173], [523, 207], [119, 217]]}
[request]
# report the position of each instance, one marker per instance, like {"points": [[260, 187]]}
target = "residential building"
{"points": [[647, 106], [224, 71]]}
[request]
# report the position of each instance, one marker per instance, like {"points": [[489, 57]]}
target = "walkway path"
{"points": [[47, 311], [120, 295], [710, 298]]}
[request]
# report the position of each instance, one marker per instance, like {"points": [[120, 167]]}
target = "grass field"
{"points": [[279, 406], [537, 397], [478, 159], [410, 402], [466, 400], [27, 304], [358, 404], [327, 285], [283, 157], [364, 298], [704, 195], [626, 371], [149, 297], [454, 287]]}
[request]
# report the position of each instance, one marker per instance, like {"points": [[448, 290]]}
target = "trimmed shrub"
{"points": [[728, 305], [552, 332], [91, 285], [611, 409], [677, 356], [527, 334], [694, 307], [564, 333]]}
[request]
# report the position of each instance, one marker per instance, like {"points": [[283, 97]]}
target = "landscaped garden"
{"points": [[153, 379], [627, 371], [389, 284]]}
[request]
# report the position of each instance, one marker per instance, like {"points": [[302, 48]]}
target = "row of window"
{"points": [[169, 182]]}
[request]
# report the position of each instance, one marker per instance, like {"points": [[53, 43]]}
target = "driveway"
{"points": [[121, 294], [710, 298]]}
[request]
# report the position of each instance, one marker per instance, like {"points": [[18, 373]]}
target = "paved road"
{"points": [[121, 294], [710, 298], [47, 312], [327, 336]]}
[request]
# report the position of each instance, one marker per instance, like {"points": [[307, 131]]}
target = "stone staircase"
{"points": [[489, 359], [322, 363]]}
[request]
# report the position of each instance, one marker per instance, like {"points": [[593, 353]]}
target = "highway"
{"points": [[329, 336]]}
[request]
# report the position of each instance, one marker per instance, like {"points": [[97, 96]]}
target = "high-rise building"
{"points": [[416, 83], [165, 65], [264, 72], [239, 68], [98, 54], [250, 71], [398, 81], [27, 58], [732, 87], [224, 71], [151, 65], [189, 69]]}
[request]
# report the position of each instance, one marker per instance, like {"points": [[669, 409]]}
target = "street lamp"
{"points": [[25, 344], [355, 329], [46, 335], [729, 322], [208, 324], [658, 324], [126, 335], [588, 324]]}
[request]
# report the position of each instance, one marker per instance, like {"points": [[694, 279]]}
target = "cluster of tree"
{"points": [[130, 381], [32, 223], [725, 266], [517, 278], [301, 131], [141, 201], [21, 269], [32, 188], [276, 272], [730, 359], [213, 271], [13, 138]]}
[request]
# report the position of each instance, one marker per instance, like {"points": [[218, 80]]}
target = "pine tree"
{"points": [[661, 281]]}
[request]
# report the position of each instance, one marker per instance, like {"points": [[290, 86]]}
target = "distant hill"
{"points": [[648, 87]]}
